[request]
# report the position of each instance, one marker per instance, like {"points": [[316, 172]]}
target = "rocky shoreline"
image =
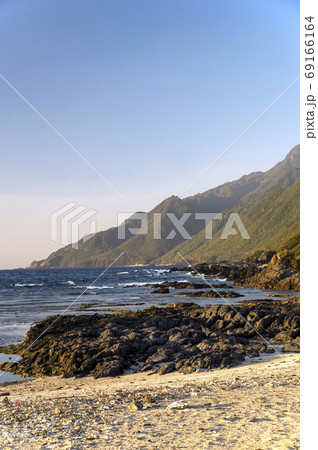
{"points": [[183, 337], [192, 289], [267, 271]]}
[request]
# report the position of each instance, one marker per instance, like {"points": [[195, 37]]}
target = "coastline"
{"points": [[207, 404], [181, 337], [253, 405]]}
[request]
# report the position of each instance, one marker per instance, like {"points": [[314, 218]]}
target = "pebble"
{"points": [[104, 420], [178, 405], [135, 405]]}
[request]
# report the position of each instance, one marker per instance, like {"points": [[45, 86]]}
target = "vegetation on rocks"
{"points": [[290, 251]]}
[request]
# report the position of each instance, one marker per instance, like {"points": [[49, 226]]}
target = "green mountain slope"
{"points": [[270, 221], [246, 196]]}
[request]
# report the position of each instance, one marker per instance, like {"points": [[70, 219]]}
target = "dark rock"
{"points": [[291, 347], [161, 290], [146, 367], [183, 337], [284, 336], [219, 324], [255, 349], [166, 368], [108, 369], [253, 317], [265, 271], [292, 321], [211, 293]]}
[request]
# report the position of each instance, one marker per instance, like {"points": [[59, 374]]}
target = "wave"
{"points": [[94, 287], [121, 273], [157, 271], [195, 275], [184, 281], [26, 284]]}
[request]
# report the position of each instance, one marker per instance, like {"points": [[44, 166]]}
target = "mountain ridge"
{"points": [[247, 195]]}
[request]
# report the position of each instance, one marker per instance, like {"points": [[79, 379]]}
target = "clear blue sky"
{"points": [[149, 91]]}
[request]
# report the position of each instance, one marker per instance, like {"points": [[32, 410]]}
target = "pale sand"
{"points": [[252, 406]]}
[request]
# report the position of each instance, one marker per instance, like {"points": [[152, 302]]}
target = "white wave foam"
{"points": [[180, 281], [135, 283], [94, 287], [196, 275]]}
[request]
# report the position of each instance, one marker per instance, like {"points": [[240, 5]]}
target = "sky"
{"points": [[148, 92]]}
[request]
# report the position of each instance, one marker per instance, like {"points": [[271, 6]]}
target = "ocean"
{"points": [[28, 296]]}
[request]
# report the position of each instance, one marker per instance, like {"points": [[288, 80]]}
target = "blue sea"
{"points": [[28, 296]]}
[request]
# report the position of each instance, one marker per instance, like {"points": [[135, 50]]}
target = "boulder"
{"points": [[162, 290], [291, 347]]}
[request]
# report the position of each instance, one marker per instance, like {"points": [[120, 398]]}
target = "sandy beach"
{"points": [[251, 406]]}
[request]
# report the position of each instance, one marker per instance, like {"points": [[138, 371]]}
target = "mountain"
{"points": [[270, 216], [267, 203]]}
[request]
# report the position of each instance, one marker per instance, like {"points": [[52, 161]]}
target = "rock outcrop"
{"points": [[269, 271], [277, 274], [183, 337]]}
